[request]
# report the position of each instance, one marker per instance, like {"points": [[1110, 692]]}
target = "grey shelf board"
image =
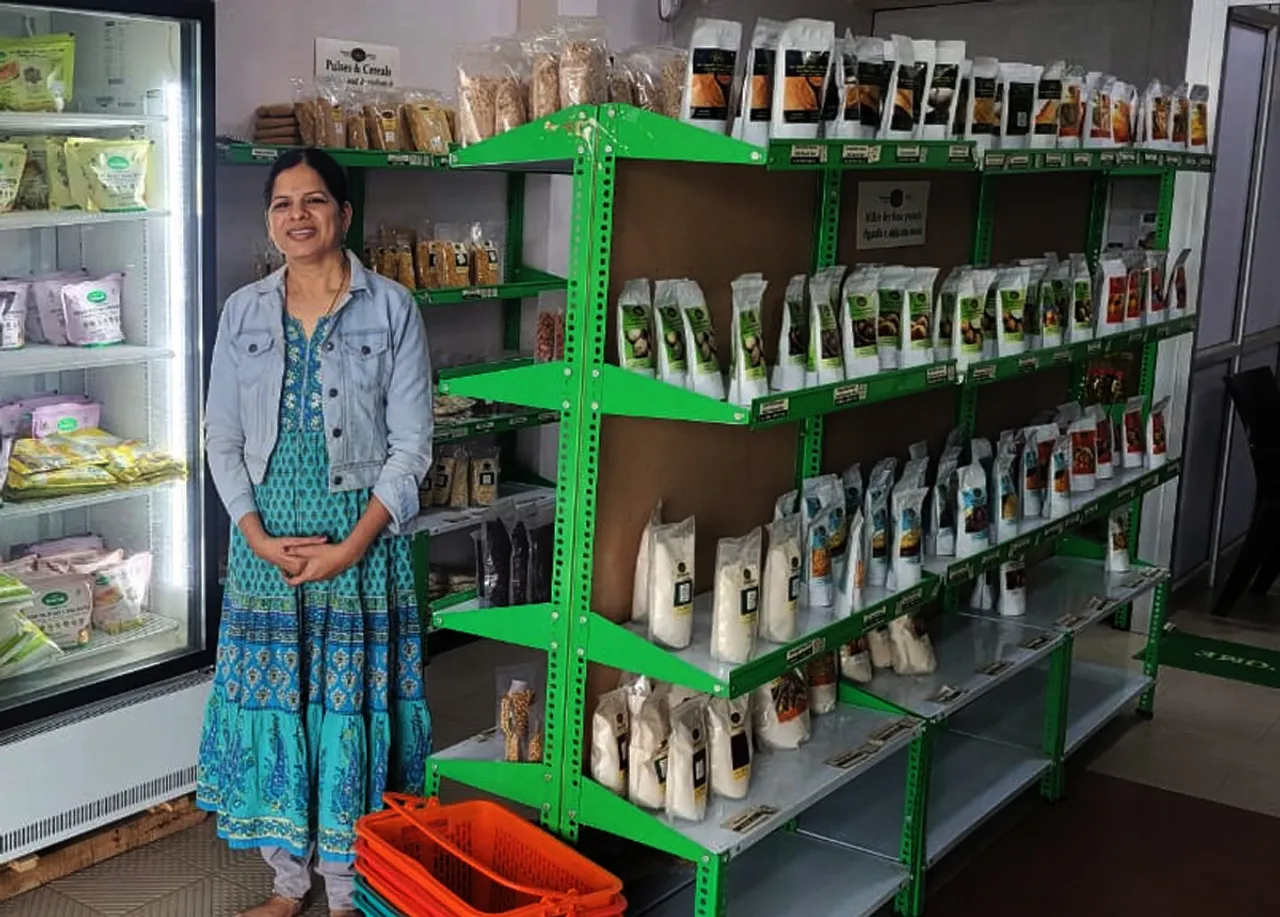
{"points": [[975, 655], [441, 520], [794, 874], [1070, 594], [842, 748], [971, 780], [1098, 694]]}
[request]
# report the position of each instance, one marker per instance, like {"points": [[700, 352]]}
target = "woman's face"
{"points": [[304, 220]]}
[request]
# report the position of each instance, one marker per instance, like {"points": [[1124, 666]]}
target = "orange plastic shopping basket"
{"points": [[477, 859]]}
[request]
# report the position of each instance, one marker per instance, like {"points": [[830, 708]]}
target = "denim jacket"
{"points": [[376, 373]]}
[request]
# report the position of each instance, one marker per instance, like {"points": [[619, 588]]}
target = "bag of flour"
{"points": [[644, 566], [780, 711], [688, 774], [730, 725], [736, 598], [783, 568], [611, 741], [647, 753], [671, 584]]}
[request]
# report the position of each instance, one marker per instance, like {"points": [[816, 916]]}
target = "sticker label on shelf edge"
{"points": [[849, 394], [875, 618], [1029, 363], [958, 152], [892, 214], [860, 153], [1082, 159], [259, 153], [848, 759], [1019, 546], [994, 161], [1107, 159], [886, 734], [751, 818], [805, 651], [909, 154], [803, 154], [1062, 356], [947, 695], [480, 293], [1070, 621], [910, 600], [772, 410], [1019, 160], [992, 669], [960, 573], [936, 375], [1036, 642], [1127, 158], [983, 373], [1054, 160]]}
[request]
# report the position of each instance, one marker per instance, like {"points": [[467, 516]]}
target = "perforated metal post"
{"points": [[711, 889], [985, 219], [1057, 698], [911, 851], [1151, 656]]}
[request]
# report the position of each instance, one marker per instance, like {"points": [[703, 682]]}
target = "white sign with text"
{"points": [[357, 64], [892, 214]]}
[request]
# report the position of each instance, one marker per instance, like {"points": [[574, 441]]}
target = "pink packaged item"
{"points": [[120, 594], [14, 300], [92, 311], [19, 567], [46, 292], [69, 545], [62, 607], [10, 415], [64, 417], [26, 406], [84, 563]]}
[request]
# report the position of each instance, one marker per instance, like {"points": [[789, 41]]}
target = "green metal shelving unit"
{"points": [[580, 390]]}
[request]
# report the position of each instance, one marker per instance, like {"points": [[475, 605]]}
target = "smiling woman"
{"points": [[318, 434]]}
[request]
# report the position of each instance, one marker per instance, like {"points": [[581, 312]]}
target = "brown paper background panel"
{"points": [[1040, 213], [887, 429], [953, 199], [1014, 403], [728, 478], [711, 223]]}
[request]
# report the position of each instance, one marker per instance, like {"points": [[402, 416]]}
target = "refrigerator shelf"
{"points": [[30, 508], [50, 219], [39, 122], [152, 626], [47, 358]]}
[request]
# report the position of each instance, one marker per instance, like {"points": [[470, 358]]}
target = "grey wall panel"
{"points": [[1201, 461]]}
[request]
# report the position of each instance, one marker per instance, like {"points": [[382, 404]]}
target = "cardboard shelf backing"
{"points": [[1040, 213], [880, 430], [1013, 403], [953, 200], [711, 223]]}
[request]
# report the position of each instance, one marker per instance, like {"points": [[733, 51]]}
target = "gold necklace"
{"points": [[333, 303]]}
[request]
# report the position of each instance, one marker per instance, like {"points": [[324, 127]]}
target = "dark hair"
{"points": [[333, 175]]}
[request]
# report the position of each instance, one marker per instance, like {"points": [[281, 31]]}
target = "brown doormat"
{"points": [[1114, 848]]}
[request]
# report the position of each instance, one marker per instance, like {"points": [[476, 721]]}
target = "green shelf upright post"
{"points": [[711, 898], [825, 252], [985, 220], [1099, 202], [912, 846], [1057, 696], [1151, 656]]}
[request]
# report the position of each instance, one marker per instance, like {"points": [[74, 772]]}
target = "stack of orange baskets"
{"points": [[418, 858]]}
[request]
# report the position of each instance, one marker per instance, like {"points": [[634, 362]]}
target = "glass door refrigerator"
{"points": [[106, 233]]}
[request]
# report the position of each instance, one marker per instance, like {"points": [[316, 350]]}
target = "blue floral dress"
{"points": [[318, 703]]}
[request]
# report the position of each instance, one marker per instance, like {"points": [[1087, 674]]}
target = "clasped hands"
{"points": [[312, 559]]}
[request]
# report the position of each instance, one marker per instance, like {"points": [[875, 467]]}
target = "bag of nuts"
{"points": [[658, 78], [543, 54], [512, 89], [477, 93]]}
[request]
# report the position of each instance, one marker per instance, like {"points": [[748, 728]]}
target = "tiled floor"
{"points": [[1210, 738]]}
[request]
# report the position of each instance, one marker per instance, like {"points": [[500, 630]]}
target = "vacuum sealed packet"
{"points": [[1071, 112], [671, 584], [611, 741], [875, 72], [944, 86], [673, 344], [799, 80], [903, 102], [688, 776], [635, 328], [731, 753], [1047, 119], [736, 599], [647, 754], [93, 311], [982, 124], [713, 58], [859, 319], [793, 339], [757, 86], [704, 370], [644, 566], [1020, 82], [749, 371], [37, 72]]}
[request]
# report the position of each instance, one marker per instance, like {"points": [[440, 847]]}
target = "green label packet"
{"points": [[828, 340], [1013, 313], [890, 323], [921, 327], [752, 344], [862, 313], [972, 320], [1082, 305], [12, 589], [946, 319], [798, 340], [637, 338], [673, 337], [703, 342]]}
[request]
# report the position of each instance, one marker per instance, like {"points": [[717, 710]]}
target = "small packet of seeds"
{"points": [[749, 369], [705, 377], [484, 477], [635, 328], [858, 320], [793, 340], [917, 339], [673, 344]]}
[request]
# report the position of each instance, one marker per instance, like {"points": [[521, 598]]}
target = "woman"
{"points": [[318, 434]]}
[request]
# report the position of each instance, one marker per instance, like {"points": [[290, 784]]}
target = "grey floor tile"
{"points": [[129, 882], [194, 900], [44, 902], [202, 848]]}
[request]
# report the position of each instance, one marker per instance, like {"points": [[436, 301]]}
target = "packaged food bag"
{"points": [[982, 124], [749, 369], [756, 110], [713, 59], [673, 344], [13, 160], [875, 72], [13, 314], [1047, 117], [635, 328], [793, 339], [37, 72], [730, 724], [944, 85], [799, 81], [23, 645], [736, 599], [705, 377], [108, 175], [611, 741], [671, 584], [62, 607], [93, 311], [917, 339], [858, 323], [688, 776]]}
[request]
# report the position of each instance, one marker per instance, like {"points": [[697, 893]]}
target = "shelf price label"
{"points": [[1037, 642], [1082, 160], [1019, 547], [772, 410], [842, 395], [1054, 160], [805, 651], [947, 695], [1028, 364], [960, 573], [1062, 356], [959, 152], [1127, 158], [1106, 160], [1020, 161], [808, 154], [264, 155], [910, 600], [874, 619], [750, 819], [913, 153], [992, 669], [868, 153], [984, 373], [994, 161], [937, 375], [480, 293], [848, 759], [1070, 621], [886, 734]]}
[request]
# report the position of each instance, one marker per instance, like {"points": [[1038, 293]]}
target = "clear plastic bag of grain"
{"points": [[382, 121], [584, 62], [486, 259], [404, 246], [511, 107], [543, 53], [425, 122], [307, 111], [658, 77], [622, 89], [478, 73], [425, 269], [356, 126], [333, 96]]}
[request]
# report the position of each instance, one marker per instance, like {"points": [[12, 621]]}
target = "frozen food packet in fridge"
{"points": [[673, 343], [635, 328], [800, 73], [1011, 322], [750, 369], [13, 314], [23, 645], [943, 90], [1080, 326], [875, 72], [824, 363], [859, 323], [713, 61], [1199, 126], [1047, 117], [902, 103], [108, 175], [982, 124], [757, 88], [917, 338], [705, 376], [13, 160], [93, 311], [1071, 112], [793, 340], [892, 294], [1158, 435]]}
